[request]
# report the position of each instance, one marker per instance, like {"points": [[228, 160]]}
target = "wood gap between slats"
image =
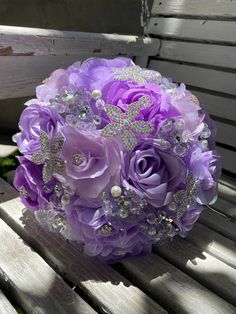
{"points": [[197, 17]]}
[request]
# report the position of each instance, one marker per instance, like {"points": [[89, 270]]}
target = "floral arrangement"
{"points": [[116, 157]]}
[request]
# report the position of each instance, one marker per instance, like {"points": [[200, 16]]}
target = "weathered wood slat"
{"points": [[211, 79], [5, 305], [220, 224], [6, 150], [227, 189], [226, 133], [23, 41], [209, 271], [213, 243], [111, 291], [225, 206], [36, 286], [214, 104], [192, 29], [228, 158], [172, 287], [211, 8], [207, 54]]}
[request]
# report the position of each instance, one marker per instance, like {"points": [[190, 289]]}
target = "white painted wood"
{"points": [[16, 41], [193, 29], [219, 106], [202, 53], [228, 159], [36, 286], [6, 150], [111, 291], [226, 133], [220, 224], [208, 270], [205, 8], [5, 305], [170, 286], [213, 243], [211, 79]]}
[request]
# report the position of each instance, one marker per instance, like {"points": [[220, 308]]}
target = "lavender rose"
{"points": [[92, 163], [153, 173], [28, 180], [34, 119]]}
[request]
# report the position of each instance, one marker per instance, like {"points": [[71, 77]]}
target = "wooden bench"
{"points": [[41, 272]]}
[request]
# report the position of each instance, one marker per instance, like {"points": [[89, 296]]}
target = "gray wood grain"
{"points": [[228, 158], [37, 287], [213, 243], [201, 30], [5, 305], [211, 8], [23, 41], [112, 292], [172, 287]]}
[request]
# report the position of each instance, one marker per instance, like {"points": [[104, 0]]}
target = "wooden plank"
{"points": [[6, 150], [222, 32], [228, 159], [5, 305], [107, 288], [170, 286], [225, 206], [213, 243], [202, 53], [226, 133], [32, 281], [209, 271], [214, 103], [211, 79], [23, 41], [225, 9], [218, 223], [227, 190]]}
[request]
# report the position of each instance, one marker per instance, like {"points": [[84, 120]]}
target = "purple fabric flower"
{"points": [[36, 118], [28, 180], [152, 173], [100, 163]]}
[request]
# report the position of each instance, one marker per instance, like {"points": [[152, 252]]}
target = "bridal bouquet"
{"points": [[116, 157]]}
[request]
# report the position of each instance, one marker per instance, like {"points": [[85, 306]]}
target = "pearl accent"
{"points": [[116, 191], [96, 94]]}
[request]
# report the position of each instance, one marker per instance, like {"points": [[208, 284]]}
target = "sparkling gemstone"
{"points": [[152, 231], [59, 223], [105, 230], [176, 137], [179, 124], [157, 237], [96, 94], [168, 125], [186, 135], [65, 199], [206, 132], [23, 192], [151, 218], [116, 191], [72, 119], [48, 188], [123, 213], [78, 159], [134, 211], [97, 120], [172, 206], [143, 204], [143, 227], [180, 150], [84, 112]]}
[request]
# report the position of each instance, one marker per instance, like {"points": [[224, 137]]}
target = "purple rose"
{"points": [[34, 119], [92, 163], [153, 173], [206, 166], [28, 180], [123, 93]]}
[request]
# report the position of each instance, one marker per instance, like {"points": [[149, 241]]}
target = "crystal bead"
{"points": [[78, 159], [152, 231], [151, 218], [180, 150], [163, 144], [84, 112], [134, 211], [176, 137], [179, 124], [206, 132], [123, 213], [65, 199], [172, 206], [116, 191], [97, 120], [59, 223], [48, 188], [168, 125], [186, 135], [96, 94], [72, 119], [105, 230], [100, 104], [143, 204]]}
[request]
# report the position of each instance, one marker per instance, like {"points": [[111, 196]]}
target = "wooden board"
{"points": [[228, 158], [211, 79], [172, 287], [6, 150], [5, 305], [222, 32], [206, 269], [226, 133], [218, 9], [111, 292], [227, 190], [33, 283], [201, 53], [23, 41], [213, 243]]}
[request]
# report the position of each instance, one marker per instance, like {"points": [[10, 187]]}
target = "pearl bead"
{"points": [[96, 94], [65, 199], [116, 191]]}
